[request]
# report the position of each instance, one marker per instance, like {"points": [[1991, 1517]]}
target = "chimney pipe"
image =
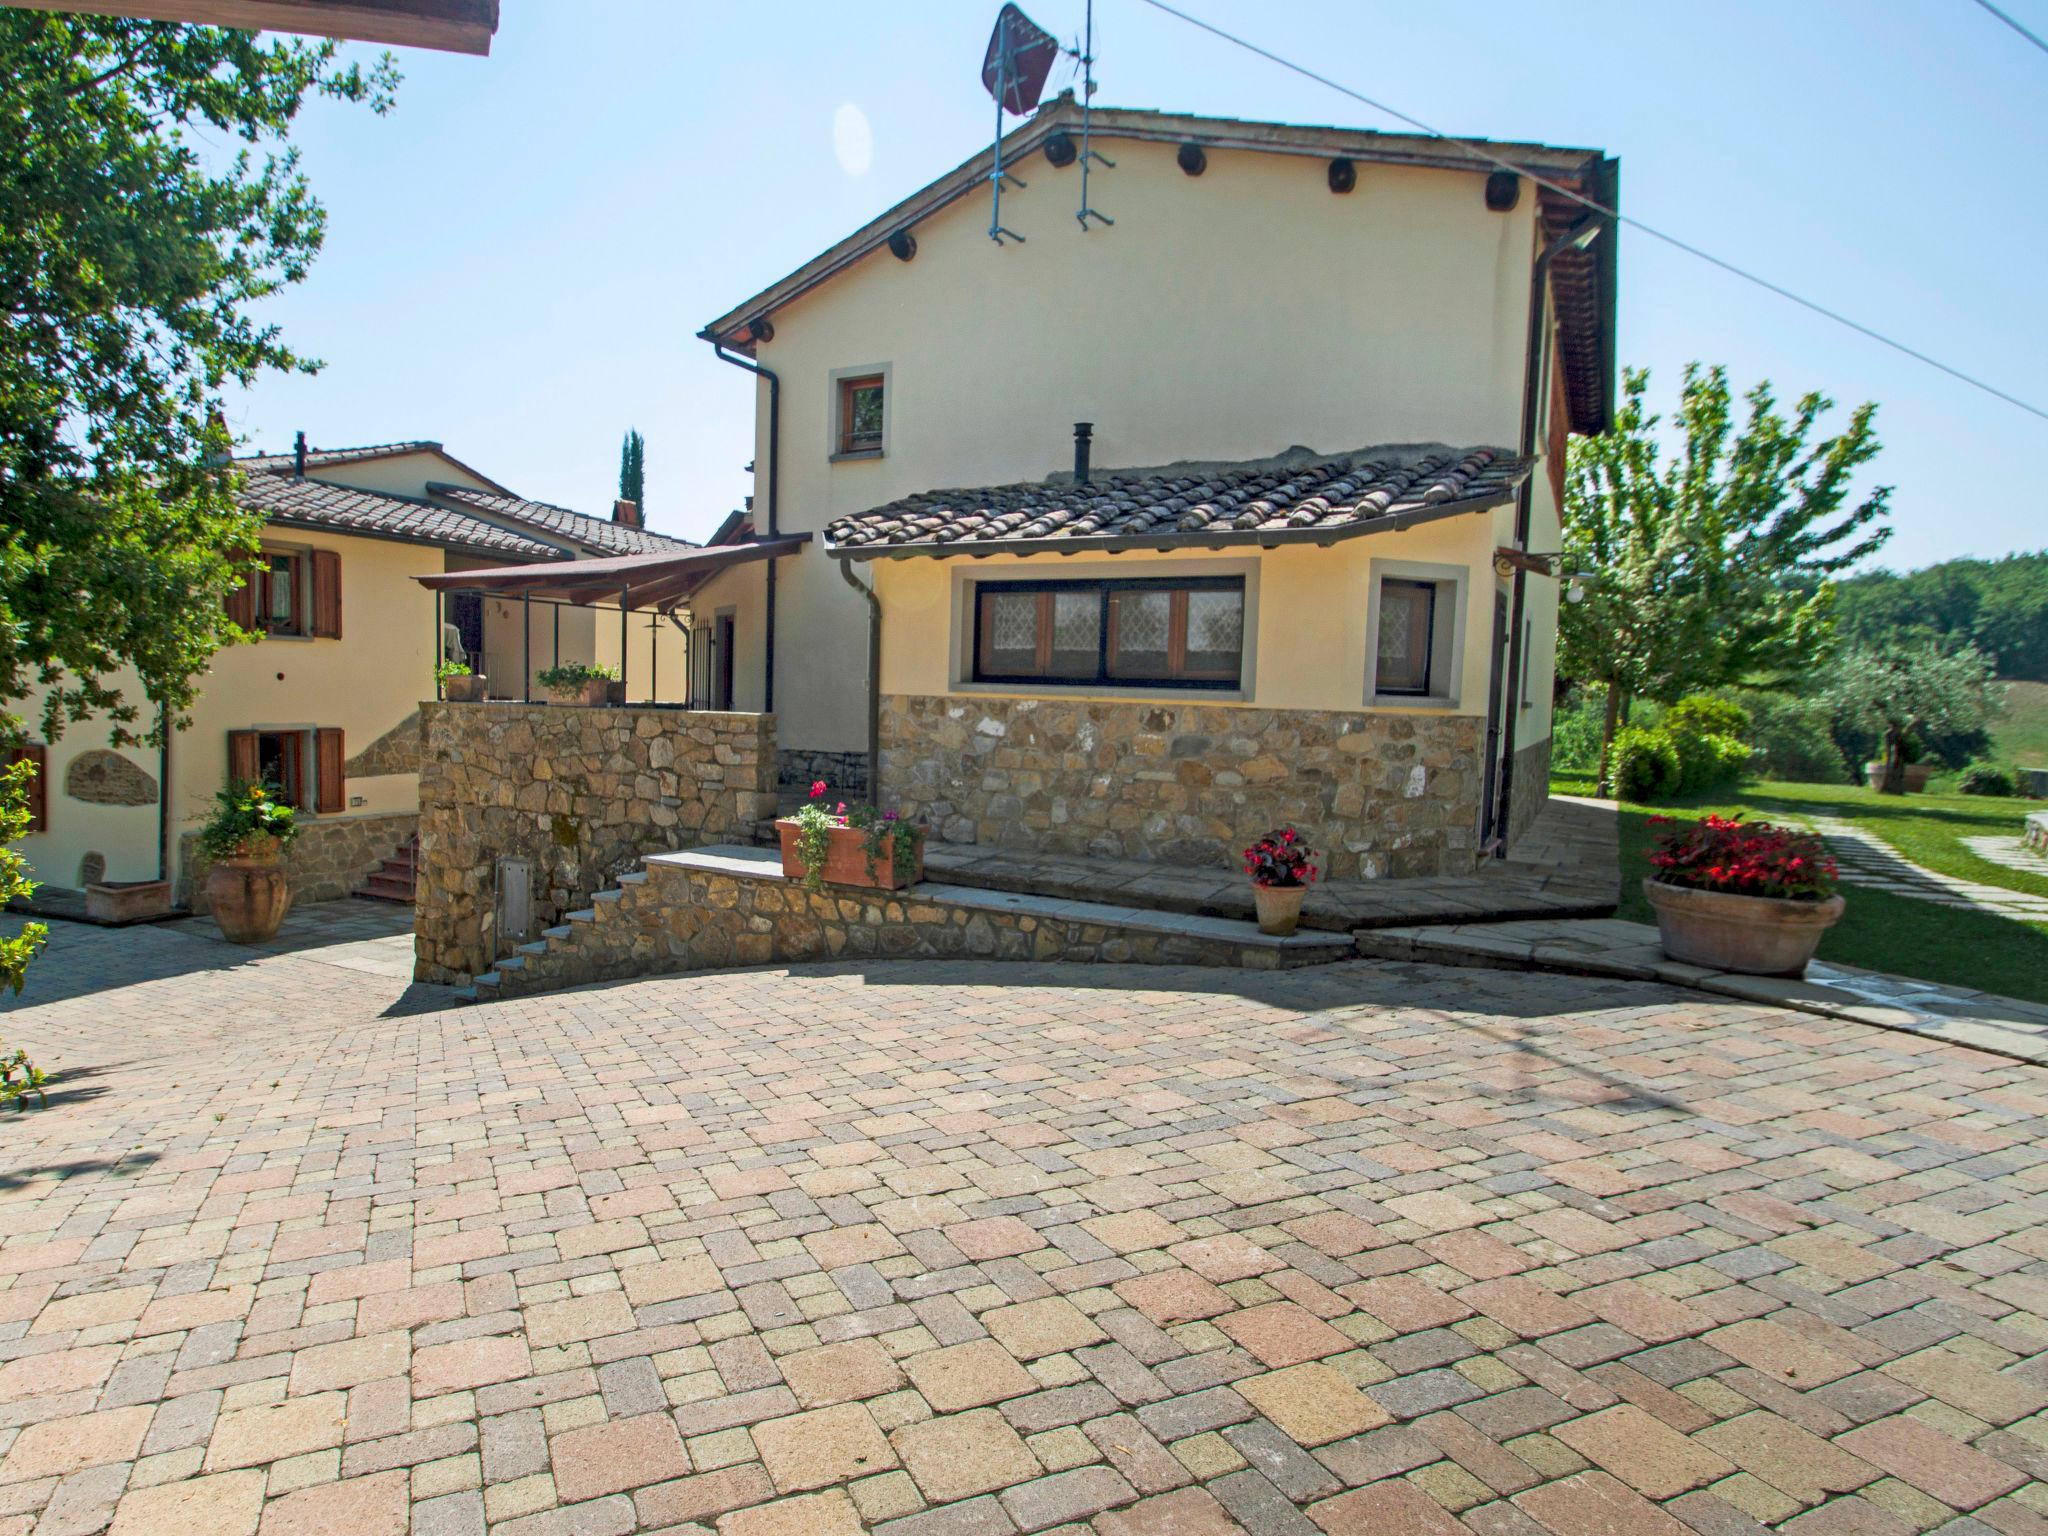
{"points": [[299, 456], [626, 513], [1084, 432]]}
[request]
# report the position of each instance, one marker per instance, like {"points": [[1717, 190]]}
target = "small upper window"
{"points": [[860, 414], [279, 607], [1407, 662]]}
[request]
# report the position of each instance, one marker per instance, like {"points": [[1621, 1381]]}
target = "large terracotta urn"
{"points": [[1750, 935], [249, 894]]}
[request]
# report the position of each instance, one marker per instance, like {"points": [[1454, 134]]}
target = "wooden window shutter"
{"points": [[329, 782], [327, 594], [245, 760], [242, 600], [38, 787]]}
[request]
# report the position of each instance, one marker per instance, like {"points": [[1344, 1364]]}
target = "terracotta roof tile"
{"points": [[592, 532], [1299, 495], [284, 498]]}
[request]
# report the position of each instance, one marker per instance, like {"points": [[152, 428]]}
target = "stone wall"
{"points": [[710, 908], [1383, 793], [331, 857], [1530, 790], [798, 768], [581, 794]]}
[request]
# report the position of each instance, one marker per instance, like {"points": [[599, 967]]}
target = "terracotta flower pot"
{"points": [[249, 897], [846, 858], [1751, 935], [587, 694], [463, 690], [1917, 775], [1279, 907]]}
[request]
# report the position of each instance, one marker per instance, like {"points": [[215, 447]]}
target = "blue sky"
{"points": [[519, 256]]}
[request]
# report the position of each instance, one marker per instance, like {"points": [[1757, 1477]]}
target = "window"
{"points": [[1415, 634], [305, 767], [279, 606], [290, 592], [1166, 633], [860, 416], [1407, 635], [37, 755]]}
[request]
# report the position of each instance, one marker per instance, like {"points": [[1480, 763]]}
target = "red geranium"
{"points": [[1280, 858], [1753, 858]]}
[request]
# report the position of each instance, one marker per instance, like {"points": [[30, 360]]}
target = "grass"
{"points": [[1881, 931], [2020, 734]]}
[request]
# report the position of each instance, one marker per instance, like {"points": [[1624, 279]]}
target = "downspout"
{"points": [[774, 499], [1578, 237], [163, 797], [874, 679]]}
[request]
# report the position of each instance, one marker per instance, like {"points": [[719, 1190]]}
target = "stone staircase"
{"points": [[397, 878]]}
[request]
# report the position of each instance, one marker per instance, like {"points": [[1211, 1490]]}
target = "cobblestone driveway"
{"points": [[964, 1251]]}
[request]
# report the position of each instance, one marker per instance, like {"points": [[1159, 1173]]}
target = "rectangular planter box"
{"points": [[846, 860], [590, 695], [127, 901]]}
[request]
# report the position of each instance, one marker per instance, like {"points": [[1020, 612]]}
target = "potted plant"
{"points": [[576, 682], [459, 685], [1282, 868], [863, 846], [247, 889], [1741, 896]]}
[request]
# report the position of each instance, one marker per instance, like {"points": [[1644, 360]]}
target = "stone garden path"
{"points": [[1866, 859], [975, 1249]]}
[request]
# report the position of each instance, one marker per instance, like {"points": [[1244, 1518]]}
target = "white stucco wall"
{"points": [[1226, 316]]}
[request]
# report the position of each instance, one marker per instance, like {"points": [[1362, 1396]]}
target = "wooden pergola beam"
{"points": [[451, 26]]}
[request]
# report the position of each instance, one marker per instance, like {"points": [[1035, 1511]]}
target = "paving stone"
{"points": [[964, 1454], [359, 1506], [968, 1376], [616, 1455]]}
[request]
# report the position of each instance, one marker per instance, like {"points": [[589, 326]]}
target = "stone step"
{"points": [[561, 932], [581, 915], [512, 962], [538, 947]]}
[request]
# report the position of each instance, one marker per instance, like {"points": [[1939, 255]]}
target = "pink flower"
{"points": [[817, 788]]}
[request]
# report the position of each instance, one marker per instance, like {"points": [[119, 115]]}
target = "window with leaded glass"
{"points": [[1181, 634], [1407, 638]]}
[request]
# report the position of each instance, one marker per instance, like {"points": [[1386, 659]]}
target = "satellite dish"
{"points": [[1020, 55]]}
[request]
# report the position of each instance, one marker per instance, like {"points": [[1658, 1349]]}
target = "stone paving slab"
{"points": [[939, 1249], [1613, 947], [1866, 859]]}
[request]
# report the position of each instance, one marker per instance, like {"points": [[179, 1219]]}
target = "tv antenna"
{"points": [[1088, 151], [1020, 55]]}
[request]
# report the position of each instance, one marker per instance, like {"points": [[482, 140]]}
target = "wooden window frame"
{"points": [[846, 445], [263, 582], [1179, 675], [312, 762], [1380, 686]]}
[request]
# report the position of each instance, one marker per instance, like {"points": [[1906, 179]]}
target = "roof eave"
{"points": [[387, 536], [1234, 538], [729, 329]]}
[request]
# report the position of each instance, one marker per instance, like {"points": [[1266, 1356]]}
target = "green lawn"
{"points": [[1879, 930], [2020, 734]]}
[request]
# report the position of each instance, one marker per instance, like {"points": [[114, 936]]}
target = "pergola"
{"points": [[656, 584]]}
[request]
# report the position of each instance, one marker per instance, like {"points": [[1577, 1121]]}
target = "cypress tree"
{"points": [[633, 469]]}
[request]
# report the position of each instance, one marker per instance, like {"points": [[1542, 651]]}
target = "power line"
{"points": [[2023, 32], [1481, 152]]}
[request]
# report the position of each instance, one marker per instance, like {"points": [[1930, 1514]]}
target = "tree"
{"points": [[1912, 688], [131, 256], [633, 469], [15, 885], [1712, 568]]}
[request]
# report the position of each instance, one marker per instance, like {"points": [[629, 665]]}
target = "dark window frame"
{"points": [[849, 444], [264, 583], [1106, 589], [1426, 690]]}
